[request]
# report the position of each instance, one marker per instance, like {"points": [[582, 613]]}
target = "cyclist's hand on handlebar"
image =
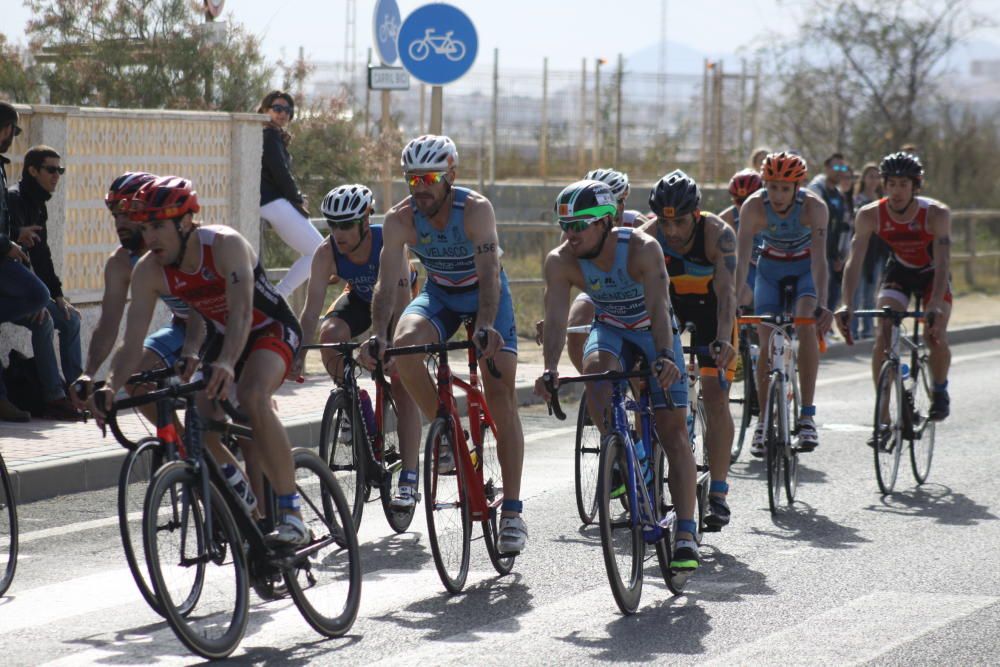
{"points": [[667, 372], [372, 352], [541, 387], [494, 341], [843, 320], [84, 385], [220, 378], [723, 353], [934, 316], [824, 320], [101, 402], [186, 366]]}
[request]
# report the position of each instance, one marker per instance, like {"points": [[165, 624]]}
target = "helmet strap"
{"points": [[364, 233], [903, 210], [184, 239]]}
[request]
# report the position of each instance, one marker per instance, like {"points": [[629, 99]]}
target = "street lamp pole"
{"points": [[597, 110]]}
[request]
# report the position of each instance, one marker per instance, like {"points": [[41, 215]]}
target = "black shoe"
{"points": [[940, 406], [685, 556], [718, 514], [882, 441]]}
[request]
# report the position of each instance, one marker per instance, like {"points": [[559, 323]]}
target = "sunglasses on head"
{"points": [[344, 225], [53, 170], [281, 108], [577, 225], [430, 178]]}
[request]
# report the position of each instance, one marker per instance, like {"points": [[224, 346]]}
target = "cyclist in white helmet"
{"points": [[452, 230], [352, 253]]}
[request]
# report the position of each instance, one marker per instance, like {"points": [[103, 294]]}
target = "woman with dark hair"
{"points": [[282, 204], [866, 190]]}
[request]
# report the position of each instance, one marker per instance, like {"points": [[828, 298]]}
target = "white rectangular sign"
{"points": [[388, 78]]}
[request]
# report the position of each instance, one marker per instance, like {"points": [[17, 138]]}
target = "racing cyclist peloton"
{"points": [[622, 269], [352, 253], [918, 233], [743, 184], [700, 253], [452, 230], [252, 339], [162, 348], [793, 252]]}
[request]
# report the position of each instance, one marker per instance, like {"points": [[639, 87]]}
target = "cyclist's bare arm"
{"points": [[752, 220], [728, 216], [147, 286], [481, 229], [939, 224], [558, 281], [194, 336], [646, 266], [117, 276], [720, 249], [235, 260], [323, 268], [816, 217], [865, 223], [397, 232]]}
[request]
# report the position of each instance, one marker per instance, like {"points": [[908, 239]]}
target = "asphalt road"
{"points": [[845, 576]]}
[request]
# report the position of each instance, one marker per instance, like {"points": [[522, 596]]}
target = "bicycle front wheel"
{"points": [[887, 436], [325, 579], [621, 535], [741, 402], [180, 548], [342, 445], [775, 443], [493, 489], [587, 458], [922, 440], [449, 526], [8, 530], [390, 456]]}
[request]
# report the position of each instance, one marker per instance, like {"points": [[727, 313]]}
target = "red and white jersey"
{"points": [[910, 240], [205, 289]]}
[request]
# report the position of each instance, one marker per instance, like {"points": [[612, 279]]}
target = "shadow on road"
{"points": [[802, 523], [394, 552], [724, 578], [935, 501], [753, 469]]}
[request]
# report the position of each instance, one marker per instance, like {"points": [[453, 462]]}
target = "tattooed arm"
{"points": [[723, 255]]}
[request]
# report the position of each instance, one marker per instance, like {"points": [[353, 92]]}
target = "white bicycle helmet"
{"points": [[616, 180], [429, 152], [347, 202]]}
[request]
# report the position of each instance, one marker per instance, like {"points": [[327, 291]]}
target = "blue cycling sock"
{"points": [[718, 486], [940, 387], [292, 501], [687, 526], [511, 505], [808, 410], [408, 477]]}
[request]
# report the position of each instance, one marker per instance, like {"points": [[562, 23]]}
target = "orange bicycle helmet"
{"points": [[784, 167]]}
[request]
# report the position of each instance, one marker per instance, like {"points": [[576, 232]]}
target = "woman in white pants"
{"points": [[281, 202]]}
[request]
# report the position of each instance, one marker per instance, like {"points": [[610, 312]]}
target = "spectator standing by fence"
{"points": [[867, 190], [827, 186], [282, 204], [21, 292], [27, 205]]}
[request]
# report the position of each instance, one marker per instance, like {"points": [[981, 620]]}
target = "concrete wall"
{"points": [[219, 152]]}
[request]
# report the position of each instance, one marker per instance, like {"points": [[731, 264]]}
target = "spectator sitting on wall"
{"points": [[827, 186], [757, 157], [26, 201], [21, 292]]}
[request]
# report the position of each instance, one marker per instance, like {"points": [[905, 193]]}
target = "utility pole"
{"points": [[494, 117], [661, 92], [581, 160], [597, 110], [350, 43], [543, 144], [704, 119], [618, 110], [368, 95]]}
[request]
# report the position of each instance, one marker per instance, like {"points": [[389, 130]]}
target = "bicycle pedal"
{"points": [[708, 528]]}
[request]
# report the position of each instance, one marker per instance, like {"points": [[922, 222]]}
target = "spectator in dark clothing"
{"points": [[21, 292], [868, 190], [827, 186], [281, 202], [26, 203]]}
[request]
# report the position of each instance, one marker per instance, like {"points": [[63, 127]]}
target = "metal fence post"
{"points": [[581, 160], [618, 109], [494, 117], [970, 248], [543, 144]]}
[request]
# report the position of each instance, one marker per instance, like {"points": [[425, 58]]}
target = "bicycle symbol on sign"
{"points": [[452, 49], [389, 29]]}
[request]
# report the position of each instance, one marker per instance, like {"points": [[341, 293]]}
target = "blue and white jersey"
{"points": [[447, 254], [758, 238], [618, 299], [176, 306], [361, 277], [786, 238]]}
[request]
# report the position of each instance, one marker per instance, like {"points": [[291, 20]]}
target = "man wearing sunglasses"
{"points": [[27, 202], [828, 186], [352, 253], [453, 231]]}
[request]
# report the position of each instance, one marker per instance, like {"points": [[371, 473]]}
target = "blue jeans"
{"points": [[43, 345], [21, 293]]}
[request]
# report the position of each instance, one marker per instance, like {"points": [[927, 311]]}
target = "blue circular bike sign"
{"points": [[437, 44], [386, 28]]}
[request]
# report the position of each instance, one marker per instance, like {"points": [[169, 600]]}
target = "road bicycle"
{"points": [[471, 487], [197, 534], [586, 454], [442, 45], [362, 457], [902, 401], [8, 529], [743, 401], [634, 516]]}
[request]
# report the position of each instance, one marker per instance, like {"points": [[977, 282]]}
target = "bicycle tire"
{"points": [[488, 455], [587, 460], [922, 442], [330, 606], [388, 447], [887, 400], [774, 445], [743, 415], [450, 542], [626, 593], [346, 460], [8, 529], [675, 580], [179, 485]]}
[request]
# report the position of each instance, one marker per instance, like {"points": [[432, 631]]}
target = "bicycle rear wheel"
{"points": [[888, 427], [741, 402], [493, 488], [342, 421], [922, 442], [8, 530], [621, 541], [388, 449], [325, 580], [774, 443], [179, 550], [449, 526], [587, 459]]}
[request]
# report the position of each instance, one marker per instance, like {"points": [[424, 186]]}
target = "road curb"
{"points": [[863, 349]]}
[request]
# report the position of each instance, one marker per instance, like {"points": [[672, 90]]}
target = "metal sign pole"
{"points": [[386, 129], [437, 104]]}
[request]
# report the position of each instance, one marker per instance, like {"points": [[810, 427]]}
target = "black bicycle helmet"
{"points": [[902, 164], [585, 200], [674, 195]]}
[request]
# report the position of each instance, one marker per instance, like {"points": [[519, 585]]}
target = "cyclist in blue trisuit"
{"points": [[453, 231], [352, 253], [699, 250], [623, 272], [793, 221]]}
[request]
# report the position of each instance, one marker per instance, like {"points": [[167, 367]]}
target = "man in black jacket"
{"points": [[21, 293], [26, 201], [838, 239]]}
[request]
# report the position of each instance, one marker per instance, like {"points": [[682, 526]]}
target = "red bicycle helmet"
{"points": [[784, 167], [744, 183], [123, 189], [165, 198]]}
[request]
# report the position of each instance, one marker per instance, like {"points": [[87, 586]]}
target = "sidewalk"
{"points": [[49, 458]]}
